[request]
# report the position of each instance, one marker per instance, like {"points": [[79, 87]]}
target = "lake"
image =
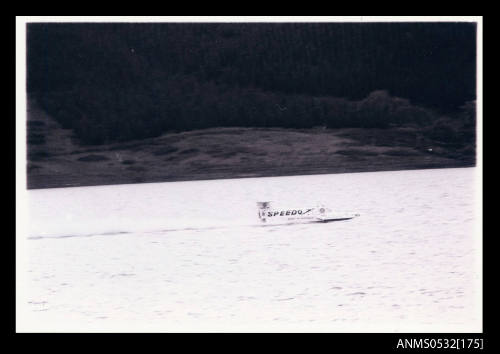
{"points": [[192, 256]]}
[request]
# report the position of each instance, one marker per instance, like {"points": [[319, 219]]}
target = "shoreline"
{"points": [[55, 159], [54, 181]]}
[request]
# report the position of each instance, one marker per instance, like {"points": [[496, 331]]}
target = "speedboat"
{"points": [[319, 213]]}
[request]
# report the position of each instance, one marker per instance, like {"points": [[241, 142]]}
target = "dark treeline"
{"points": [[112, 82]]}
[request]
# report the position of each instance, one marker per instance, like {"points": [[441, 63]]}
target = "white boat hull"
{"points": [[300, 215]]}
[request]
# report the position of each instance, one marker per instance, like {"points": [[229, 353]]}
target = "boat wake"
{"points": [[195, 226]]}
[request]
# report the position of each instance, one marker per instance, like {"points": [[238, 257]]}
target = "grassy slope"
{"points": [[226, 153]]}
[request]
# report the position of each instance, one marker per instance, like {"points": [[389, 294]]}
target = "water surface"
{"points": [[191, 256]]}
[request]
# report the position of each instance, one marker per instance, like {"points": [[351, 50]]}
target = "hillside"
{"points": [[116, 82], [57, 159]]}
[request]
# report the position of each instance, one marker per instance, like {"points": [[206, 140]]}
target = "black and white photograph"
{"points": [[249, 174]]}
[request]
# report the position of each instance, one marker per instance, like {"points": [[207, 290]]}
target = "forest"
{"points": [[112, 82]]}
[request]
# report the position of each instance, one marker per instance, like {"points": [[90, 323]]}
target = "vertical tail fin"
{"points": [[263, 206]]}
